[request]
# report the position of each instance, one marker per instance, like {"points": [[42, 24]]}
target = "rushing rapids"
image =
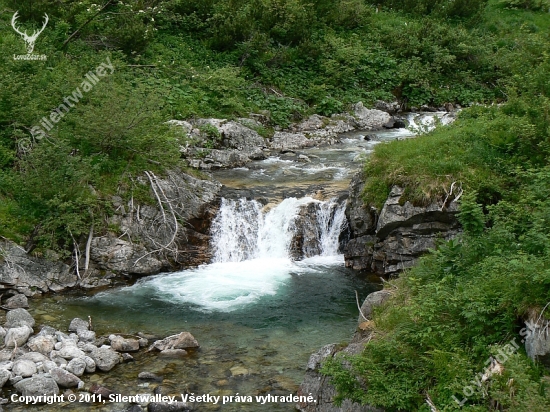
{"points": [[253, 252]]}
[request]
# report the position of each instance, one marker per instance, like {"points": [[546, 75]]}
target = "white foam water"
{"points": [[252, 254]]}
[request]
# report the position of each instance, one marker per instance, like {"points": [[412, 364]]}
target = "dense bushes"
{"points": [[287, 58], [467, 299], [458, 307], [444, 8]]}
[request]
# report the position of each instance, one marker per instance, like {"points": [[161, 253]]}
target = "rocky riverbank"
{"points": [[172, 230], [221, 143], [53, 362], [389, 240]]}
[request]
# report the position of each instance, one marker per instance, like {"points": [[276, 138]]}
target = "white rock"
{"points": [[18, 335], [24, 368], [77, 366]]}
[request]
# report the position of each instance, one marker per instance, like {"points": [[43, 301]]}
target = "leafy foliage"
{"points": [[464, 302]]}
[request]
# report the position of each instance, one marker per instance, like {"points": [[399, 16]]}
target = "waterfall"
{"points": [[241, 231], [332, 222], [256, 252]]}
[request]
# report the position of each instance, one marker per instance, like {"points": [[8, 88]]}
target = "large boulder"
{"points": [[183, 340], [194, 201], [39, 385], [237, 136], [19, 317], [284, 141], [17, 336], [31, 275], [105, 358], [118, 255], [369, 118], [392, 239]]}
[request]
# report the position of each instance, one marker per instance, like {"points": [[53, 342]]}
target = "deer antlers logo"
{"points": [[29, 40]]}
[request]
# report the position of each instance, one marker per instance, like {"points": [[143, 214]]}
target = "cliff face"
{"points": [[392, 239], [170, 232]]}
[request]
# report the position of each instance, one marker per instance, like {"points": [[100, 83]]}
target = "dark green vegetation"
{"points": [[468, 299], [176, 59], [179, 58]]}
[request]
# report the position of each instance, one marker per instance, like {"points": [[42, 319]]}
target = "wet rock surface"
{"points": [[390, 240], [65, 362], [238, 142], [32, 275]]}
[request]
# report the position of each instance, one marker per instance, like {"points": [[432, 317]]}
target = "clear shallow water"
{"points": [[330, 168], [254, 347]]}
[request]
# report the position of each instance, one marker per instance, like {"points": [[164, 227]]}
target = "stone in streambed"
{"points": [[105, 358], [104, 392], [173, 353], [65, 379], [77, 366], [149, 376], [239, 371], [126, 357], [121, 344], [17, 301], [19, 317], [90, 364], [77, 324], [85, 335], [168, 407], [38, 385], [184, 340]]}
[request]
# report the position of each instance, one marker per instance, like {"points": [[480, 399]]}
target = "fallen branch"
{"points": [[359, 306], [448, 200], [431, 404], [88, 246], [77, 257]]}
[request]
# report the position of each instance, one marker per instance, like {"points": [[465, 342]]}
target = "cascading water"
{"points": [[242, 232], [332, 222], [252, 252]]}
